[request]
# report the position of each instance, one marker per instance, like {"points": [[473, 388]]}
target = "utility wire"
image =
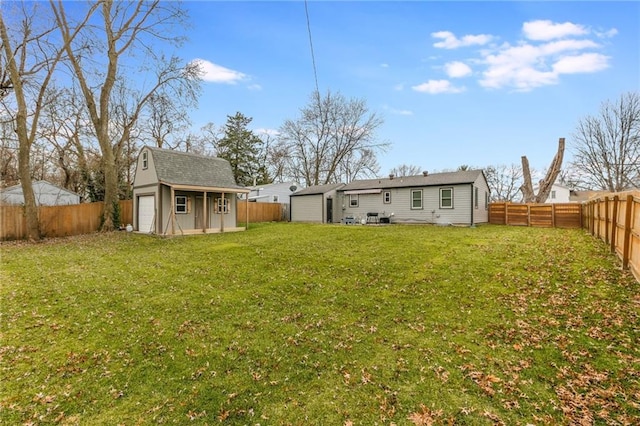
{"points": [[313, 57]]}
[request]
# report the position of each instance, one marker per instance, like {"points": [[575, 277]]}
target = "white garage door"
{"points": [[306, 208], [146, 213]]}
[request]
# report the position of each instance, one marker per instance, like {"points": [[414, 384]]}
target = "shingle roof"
{"points": [[183, 168], [435, 179], [317, 189]]}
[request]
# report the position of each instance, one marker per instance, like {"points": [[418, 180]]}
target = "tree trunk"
{"points": [[544, 188], [527, 187], [24, 170], [552, 173]]}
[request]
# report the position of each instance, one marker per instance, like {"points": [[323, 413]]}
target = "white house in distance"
{"points": [[558, 194], [182, 193], [46, 194], [273, 192]]}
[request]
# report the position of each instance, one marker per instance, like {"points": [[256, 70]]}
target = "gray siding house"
{"points": [[183, 193], [316, 204], [441, 198]]}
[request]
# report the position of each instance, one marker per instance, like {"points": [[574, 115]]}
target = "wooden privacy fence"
{"points": [[59, 221], [559, 215], [77, 219], [261, 212], [615, 218]]}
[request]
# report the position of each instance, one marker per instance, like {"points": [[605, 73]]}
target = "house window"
{"points": [[222, 205], [446, 198], [386, 197], [553, 195], [353, 200], [416, 199], [475, 196], [181, 204], [145, 160]]}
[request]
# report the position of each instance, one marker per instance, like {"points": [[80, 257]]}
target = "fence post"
{"points": [[627, 233], [606, 220], [553, 215], [614, 223]]}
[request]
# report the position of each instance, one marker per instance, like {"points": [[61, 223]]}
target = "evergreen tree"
{"points": [[241, 147]]}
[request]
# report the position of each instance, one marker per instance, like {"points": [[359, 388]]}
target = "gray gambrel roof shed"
{"points": [[176, 168], [435, 179]]}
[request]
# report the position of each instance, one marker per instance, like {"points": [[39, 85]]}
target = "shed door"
{"points": [[146, 213]]}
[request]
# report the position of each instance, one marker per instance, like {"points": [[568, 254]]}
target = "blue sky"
{"points": [[475, 83]]}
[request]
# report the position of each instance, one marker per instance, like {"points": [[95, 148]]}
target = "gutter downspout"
{"points": [[473, 194]]}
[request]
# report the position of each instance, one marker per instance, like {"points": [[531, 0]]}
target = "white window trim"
{"points": [[476, 193], [220, 208], [184, 205], [145, 160], [386, 197], [421, 199], [441, 198], [354, 200]]}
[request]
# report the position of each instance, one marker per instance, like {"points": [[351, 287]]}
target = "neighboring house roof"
{"points": [[318, 189], [183, 168], [46, 193], [435, 179]]}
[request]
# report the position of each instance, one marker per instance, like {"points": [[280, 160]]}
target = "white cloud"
{"points": [[434, 87], [214, 73], [254, 87], [543, 30], [527, 66], [400, 111], [384, 65], [457, 69], [450, 41], [585, 63]]}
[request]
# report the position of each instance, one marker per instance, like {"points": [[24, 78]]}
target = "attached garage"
{"points": [[306, 208], [315, 204], [146, 213]]}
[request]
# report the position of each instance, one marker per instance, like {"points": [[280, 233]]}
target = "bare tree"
{"points": [[405, 170], [607, 145], [544, 187], [30, 60], [124, 30], [504, 182], [330, 132]]}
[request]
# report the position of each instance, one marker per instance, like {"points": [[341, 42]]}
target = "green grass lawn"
{"points": [[320, 324]]}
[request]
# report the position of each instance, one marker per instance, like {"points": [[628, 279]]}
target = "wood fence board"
{"points": [[616, 217], [77, 219]]}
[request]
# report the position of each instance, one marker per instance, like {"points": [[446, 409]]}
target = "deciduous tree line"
{"points": [[74, 112]]}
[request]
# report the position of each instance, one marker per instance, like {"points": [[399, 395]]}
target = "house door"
{"points": [[199, 213], [329, 210]]}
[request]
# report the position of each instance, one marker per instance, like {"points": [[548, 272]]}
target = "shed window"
{"points": [[145, 160], [553, 195], [181, 204], [353, 200], [416, 199], [386, 197], [446, 198], [222, 205]]}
